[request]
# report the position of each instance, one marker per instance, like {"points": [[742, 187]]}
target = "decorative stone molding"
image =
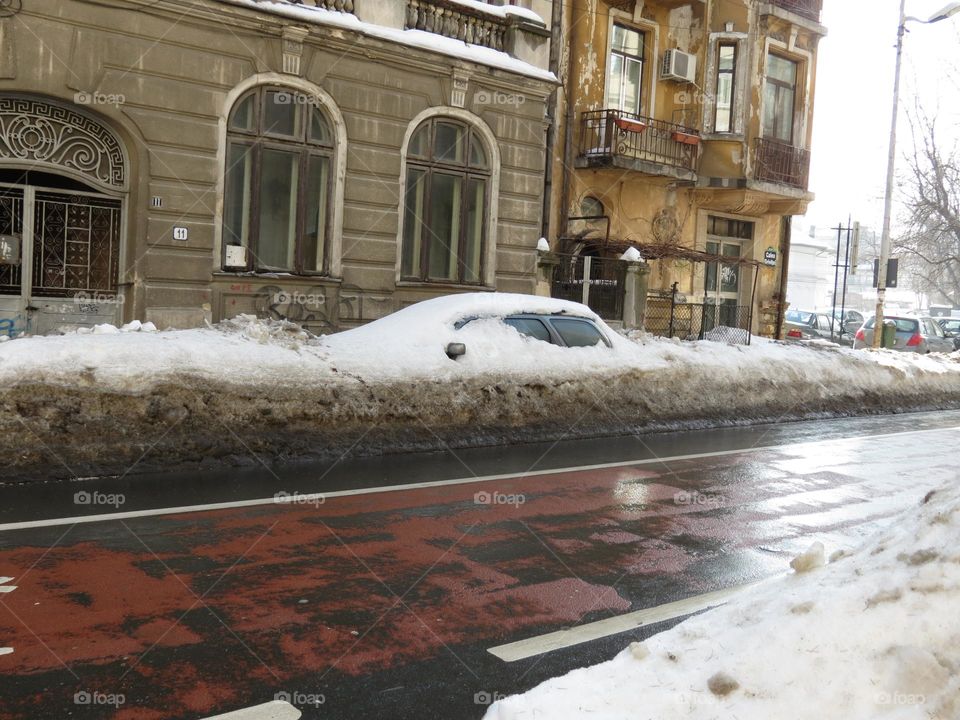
{"points": [[458, 88], [55, 136], [8, 50], [457, 21], [292, 38]]}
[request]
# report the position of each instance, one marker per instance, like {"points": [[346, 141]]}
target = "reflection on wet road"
{"points": [[384, 604]]}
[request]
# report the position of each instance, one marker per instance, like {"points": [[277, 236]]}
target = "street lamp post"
{"points": [[947, 12]]}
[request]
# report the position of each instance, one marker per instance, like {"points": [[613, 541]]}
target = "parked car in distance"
{"points": [[951, 327], [919, 334], [806, 325]]}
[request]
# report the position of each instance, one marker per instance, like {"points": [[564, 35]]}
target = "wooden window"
{"points": [[277, 181], [780, 98], [625, 70], [445, 204], [726, 87]]}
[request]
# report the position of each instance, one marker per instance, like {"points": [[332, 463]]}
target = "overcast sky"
{"points": [[854, 100]]}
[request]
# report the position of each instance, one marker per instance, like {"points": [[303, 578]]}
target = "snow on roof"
{"points": [[874, 634], [412, 38]]}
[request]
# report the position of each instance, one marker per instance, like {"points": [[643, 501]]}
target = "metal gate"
{"points": [[59, 259], [596, 282]]}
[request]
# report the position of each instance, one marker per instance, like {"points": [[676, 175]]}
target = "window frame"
{"points": [[640, 59], [731, 127], [430, 167], [256, 140], [780, 86]]}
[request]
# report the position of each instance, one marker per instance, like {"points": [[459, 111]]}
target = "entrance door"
{"points": [[11, 254], [722, 287], [66, 272]]}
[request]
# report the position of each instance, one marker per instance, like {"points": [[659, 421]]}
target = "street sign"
{"points": [[770, 257], [893, 267]]}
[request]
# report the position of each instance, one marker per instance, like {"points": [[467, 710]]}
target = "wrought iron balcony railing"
{"points": [[609, 134], [778, 162], [457, 21], [810, 9]]}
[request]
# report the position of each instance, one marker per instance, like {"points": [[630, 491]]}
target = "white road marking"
{"points": [[7, 588], [522, 649], [4, 579], [176, 510], [273, 710], [5, 650]]}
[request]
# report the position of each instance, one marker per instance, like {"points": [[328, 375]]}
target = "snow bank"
{"points": [[875, 634], [100, 401]]}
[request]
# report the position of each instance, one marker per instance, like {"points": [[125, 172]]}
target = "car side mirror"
{"points": [[455, 350]]}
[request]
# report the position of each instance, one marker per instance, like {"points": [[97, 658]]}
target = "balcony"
{"points": [[780, 163], [654, 147], [809, 9], [461, 22]]}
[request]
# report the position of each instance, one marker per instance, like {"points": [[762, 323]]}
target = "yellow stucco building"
{"points": [[683, 129]]}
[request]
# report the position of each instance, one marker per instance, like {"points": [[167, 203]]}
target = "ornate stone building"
{"points": [[329, 161]]}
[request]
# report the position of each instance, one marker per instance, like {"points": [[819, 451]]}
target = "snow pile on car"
{"points": [[874, 634], [104, 402]]}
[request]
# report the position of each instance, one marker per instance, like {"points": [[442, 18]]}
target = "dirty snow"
{"points": [[218, 392], [874, 634]]}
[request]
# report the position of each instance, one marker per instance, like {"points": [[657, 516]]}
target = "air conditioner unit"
{"points": [[679, 66]]}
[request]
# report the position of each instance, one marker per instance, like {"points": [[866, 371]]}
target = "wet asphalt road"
{"points": [[384, 603]]}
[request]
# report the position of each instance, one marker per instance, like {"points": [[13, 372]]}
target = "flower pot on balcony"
{"points": [[686, 138], [628, 125]]}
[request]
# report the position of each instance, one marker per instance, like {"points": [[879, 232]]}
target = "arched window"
{"points": [[445, 203], [277, 183]]}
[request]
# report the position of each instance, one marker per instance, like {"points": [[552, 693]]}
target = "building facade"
{"points": [[327, 161], [684, 130]]}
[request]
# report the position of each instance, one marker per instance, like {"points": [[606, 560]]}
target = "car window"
{"points": [[905, 325], [932, 328], [951, 325], [530, 327], [823, 322], [796, 316], [577, 333]]}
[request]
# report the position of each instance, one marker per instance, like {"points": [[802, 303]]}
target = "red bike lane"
{"points": [[184, 616]]}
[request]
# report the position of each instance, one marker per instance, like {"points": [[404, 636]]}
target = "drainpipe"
{"points": [[556, 36], [787, 238], [569, 122]]}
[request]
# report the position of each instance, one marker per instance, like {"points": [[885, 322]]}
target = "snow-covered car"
{"points": [[485, 330]]}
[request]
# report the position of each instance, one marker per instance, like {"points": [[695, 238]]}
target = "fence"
{"points": [[597, 282], [668, 317]]}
